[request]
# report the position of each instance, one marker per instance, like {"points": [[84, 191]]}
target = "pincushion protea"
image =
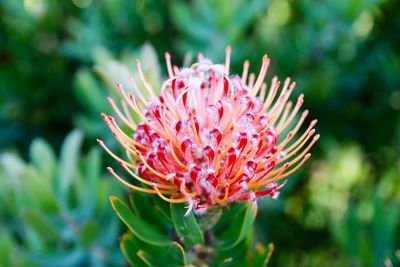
{"points": [[210, 138]]}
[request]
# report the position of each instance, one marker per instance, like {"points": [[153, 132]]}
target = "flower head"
{"points": [[211, 137]]}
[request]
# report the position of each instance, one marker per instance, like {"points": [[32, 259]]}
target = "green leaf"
{"points": [[91, 174], [43, 158], [68, 161], [237, 255], [141, 254], [88, 233], [151, 66], [228, 215], [41, 225], [60, 259], [141, 229], [38, 193], [5, 250], [162, 207], [88, 92], [114, 72], [141, 205], [238, 227], [383, 227], [146, 258], [130, 249], [177, 253], [41, 176], [12, 165], [186, 227], [144, 206]]}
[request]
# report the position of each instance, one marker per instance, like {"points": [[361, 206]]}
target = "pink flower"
{"points": [[211, 137]]}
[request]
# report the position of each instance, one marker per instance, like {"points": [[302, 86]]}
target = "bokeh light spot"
{"points": [[363, 25], [82, 3], [279, 13], [394, 100], [36, 8]]}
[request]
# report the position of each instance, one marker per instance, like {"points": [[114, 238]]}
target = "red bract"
{"points": [[211, 137]]}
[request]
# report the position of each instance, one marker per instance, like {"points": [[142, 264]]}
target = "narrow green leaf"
{"points": [[5, 250], [144, 206], [12, 165], [146, 258], [141, 229], [162, 207], [238, 228], [151, 66], [130, 249], [68, 161], [177, 252], [37, 192], [186, 227], [91, 174], [40, 225], [63, 259], [141, 205], [88, 233], [114, 72], [88, 92], [43, 158], [141, 254], [237, 255]]}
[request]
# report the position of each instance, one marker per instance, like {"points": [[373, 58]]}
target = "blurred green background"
{"points": [[59, 59]]}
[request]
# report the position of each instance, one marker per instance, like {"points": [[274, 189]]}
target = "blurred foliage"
{"points": [[43, 43], [207, 26], [53, 212], [59, 60], [89, 85]]}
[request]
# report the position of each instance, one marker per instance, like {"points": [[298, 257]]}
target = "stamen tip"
{"points": [[307, 156], [137, 62], [110, 170], [287, 164]]}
